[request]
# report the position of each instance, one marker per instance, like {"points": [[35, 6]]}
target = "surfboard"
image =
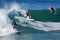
{"points": [[29, 19], [19, 32]]}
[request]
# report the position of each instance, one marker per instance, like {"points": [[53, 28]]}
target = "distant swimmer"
{"points": [[52, 10], [27, 15], [14, 24]]}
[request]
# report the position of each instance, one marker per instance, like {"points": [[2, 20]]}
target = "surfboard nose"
{"points": [[27, 17]]}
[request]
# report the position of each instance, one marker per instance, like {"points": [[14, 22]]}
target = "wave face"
{"points": [[41, 20]]}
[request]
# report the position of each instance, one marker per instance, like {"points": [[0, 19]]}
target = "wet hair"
{"points": [[52, 8]]}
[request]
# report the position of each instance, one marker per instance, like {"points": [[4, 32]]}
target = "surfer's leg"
{"points": [[14, 26]]}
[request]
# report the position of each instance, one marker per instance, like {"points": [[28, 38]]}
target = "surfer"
{"points": [[52, 10], [27, 14], [14, 24]]}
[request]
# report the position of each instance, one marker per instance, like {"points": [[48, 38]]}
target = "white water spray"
{"points": [[6, 27]]}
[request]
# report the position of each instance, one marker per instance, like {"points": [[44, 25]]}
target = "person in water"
{"points": [[27, 14], [52, 10], [14, 24]]}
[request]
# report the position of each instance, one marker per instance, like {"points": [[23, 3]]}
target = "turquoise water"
{"points": [[30, 33], [37, 29], [44, 26], [45, 15]]}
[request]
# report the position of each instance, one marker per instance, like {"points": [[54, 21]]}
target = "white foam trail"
{"points": [[46, 26]]}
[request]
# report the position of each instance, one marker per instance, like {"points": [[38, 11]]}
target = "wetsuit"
{"points": [[27, 14], [14, 24], [53, 11]]}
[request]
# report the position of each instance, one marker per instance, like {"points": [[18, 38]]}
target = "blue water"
{"points": [[36, 29], [33, 36]]}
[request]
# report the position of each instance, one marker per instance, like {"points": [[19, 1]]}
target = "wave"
{"points": [[46, 26], [6, 27]]}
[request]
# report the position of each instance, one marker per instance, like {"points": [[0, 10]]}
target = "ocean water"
{"points": [[43, 24], [40, 29]]}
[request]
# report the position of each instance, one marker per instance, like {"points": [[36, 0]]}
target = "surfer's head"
{"points": [[52, 9]]}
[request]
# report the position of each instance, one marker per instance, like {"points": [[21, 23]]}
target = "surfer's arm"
{"points": [[54, 9]]}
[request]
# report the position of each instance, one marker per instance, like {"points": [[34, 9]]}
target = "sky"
{"points": [[32, 4]]}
